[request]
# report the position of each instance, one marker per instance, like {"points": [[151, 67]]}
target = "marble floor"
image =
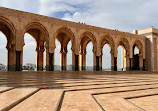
{"points": [[79, 91]]}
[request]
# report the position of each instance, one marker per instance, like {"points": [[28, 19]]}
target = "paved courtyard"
{"points": [[78, 91]]}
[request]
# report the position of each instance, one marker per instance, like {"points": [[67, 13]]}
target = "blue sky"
{"points": [[124, 15]]}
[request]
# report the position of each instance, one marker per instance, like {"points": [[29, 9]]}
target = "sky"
{"points": [[123, 15]]}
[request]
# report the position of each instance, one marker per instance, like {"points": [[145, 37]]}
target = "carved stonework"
{"points": [[47, 29]]}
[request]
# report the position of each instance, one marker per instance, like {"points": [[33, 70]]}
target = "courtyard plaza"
{"points": [[79, 91]]}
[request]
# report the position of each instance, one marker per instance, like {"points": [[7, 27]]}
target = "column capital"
{"points": [[40, 50], [10, 46], [83, 53], [63, 52], [127, 56], [140, 55], [112, 53]]}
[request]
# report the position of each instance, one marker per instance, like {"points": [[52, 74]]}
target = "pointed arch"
{"points": [[8, 29], [106, 39], [64, 35], [124, 42], [41, 36], [33, 27], [138, 43], [85, 38]]}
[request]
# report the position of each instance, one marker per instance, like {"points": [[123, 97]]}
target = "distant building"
{"points": [[89, 67], [29, 66], [56, 67], [3, 67], [69, 67]]}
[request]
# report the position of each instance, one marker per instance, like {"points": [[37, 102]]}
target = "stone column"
{"points": [[63, 60], [127, 63], [40, 59], [94, 61], [83, 60], [130, 64], [51, 61], [140, 61], [144, 64], [115, 63], [11, 61], [100, 60], [18, 61], [97, 63], [47, 59], [112, 62], [75, 61]]}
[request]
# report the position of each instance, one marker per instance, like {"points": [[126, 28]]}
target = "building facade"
{"points": [[45, 30]]}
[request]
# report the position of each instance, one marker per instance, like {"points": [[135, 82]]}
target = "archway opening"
{"points": [[106, 58], [44, 58], [39, 36], [7, 45], [89, 56], [3, 52], [57, 56], [65, 38], [69, 56], [121, 58], [29, 53], [135, 58], [87, 51]]}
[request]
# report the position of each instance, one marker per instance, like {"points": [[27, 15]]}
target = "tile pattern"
{"points": [[78, 91]]}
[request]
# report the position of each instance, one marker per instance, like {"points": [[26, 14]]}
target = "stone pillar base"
{"points": [[130, 68], [48, 68], [73, 67], [97, 63], [11, 68], [127, 68], [94, 68], [63, 68], [115, 63], [112, 68], [83, 68], [141, 68], [39, 68], [100, 68], [19, 68]]}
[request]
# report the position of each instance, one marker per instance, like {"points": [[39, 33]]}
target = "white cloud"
{"points": [[24, 5]]}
